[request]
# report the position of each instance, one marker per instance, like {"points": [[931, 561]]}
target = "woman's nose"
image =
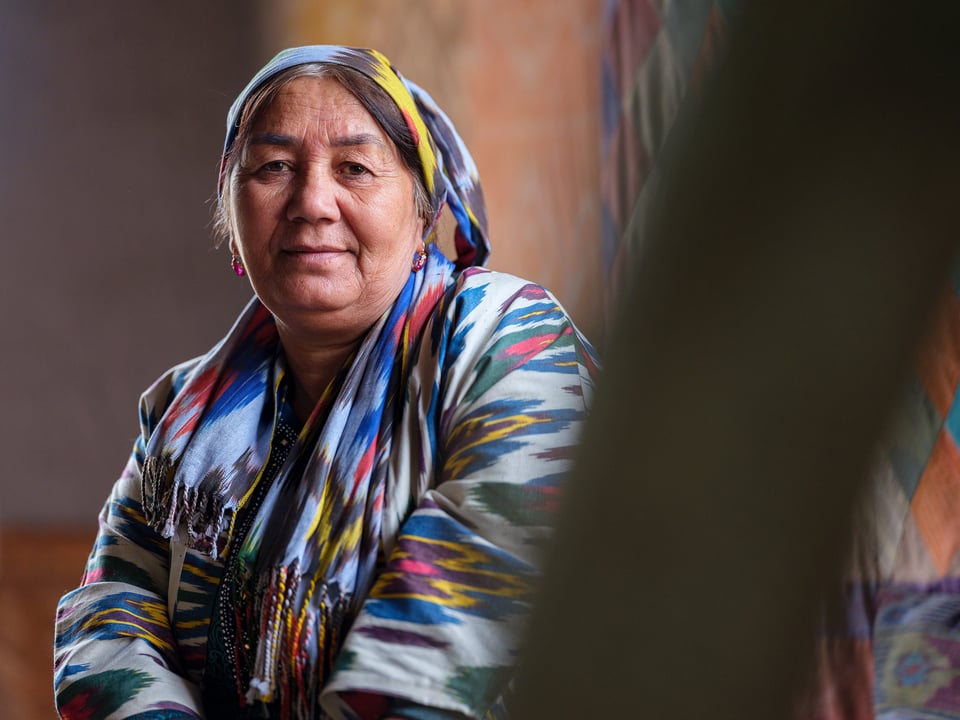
{"points": [[314, 197]]}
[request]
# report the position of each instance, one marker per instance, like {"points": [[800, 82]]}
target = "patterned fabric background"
{"points": [[655, 56]]}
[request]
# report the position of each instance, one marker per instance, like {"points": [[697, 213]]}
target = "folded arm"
{"points": [[115, 655]]}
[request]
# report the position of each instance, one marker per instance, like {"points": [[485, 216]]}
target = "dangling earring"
{"points": [[237, 264], [420, 259]]}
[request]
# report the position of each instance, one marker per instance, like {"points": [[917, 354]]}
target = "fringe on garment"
{"points": [[298, 642], [168, 504], [301, 621]]}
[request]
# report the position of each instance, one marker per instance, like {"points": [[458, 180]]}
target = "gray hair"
{"points": [[373, 98]]}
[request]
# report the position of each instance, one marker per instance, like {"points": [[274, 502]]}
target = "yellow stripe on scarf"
{"points": [[390, 81]]}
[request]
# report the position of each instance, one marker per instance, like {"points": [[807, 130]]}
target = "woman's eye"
{"points": [[354, 169], [274, 166]]}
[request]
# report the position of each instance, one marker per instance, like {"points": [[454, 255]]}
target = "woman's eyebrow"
{"points": [[281, 140], [267, 138], [358, 139]]}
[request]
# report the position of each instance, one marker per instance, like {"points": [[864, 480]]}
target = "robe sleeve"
{"points": [[115, 655], [500, 400]]}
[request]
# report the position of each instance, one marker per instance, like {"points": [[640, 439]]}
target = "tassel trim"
{"points": [[297, 646], [168, 504]]}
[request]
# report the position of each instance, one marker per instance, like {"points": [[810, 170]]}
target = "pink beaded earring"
{"points": [[420, 259], [237, 264]]}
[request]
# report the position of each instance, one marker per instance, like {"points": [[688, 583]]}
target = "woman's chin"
{"points": [[321, 314], [309, 292]]}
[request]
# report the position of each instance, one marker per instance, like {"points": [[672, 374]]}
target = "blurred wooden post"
{"points": [[803, 233]]}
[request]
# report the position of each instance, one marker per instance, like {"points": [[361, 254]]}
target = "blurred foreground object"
{"points": [[792, 265]]}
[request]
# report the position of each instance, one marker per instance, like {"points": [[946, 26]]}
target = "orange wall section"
{"points": [[521, 81]]}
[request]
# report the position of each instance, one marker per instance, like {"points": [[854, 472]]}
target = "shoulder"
{"points": [[498, 323], [489, 304], [493, 298], [495, 282]]}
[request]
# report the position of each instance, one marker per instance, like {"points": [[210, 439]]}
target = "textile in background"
{"points": [[892, 647], [655, 57]]}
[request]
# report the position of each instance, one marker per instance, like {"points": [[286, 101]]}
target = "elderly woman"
{"points": [[337, 511]]}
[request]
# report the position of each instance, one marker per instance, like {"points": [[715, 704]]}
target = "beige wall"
{"points": [[521, 81], [113, 122]]}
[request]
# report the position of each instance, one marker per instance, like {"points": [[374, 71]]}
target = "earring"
{"points": [[420, 259], [237, 264]]}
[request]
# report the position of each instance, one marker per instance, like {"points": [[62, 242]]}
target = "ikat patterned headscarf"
{"points": [[449, 172]]}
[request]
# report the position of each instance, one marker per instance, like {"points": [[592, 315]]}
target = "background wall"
{"points": [[111, 120], [112, 124]]}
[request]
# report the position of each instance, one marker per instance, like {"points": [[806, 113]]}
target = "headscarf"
{"points": [[312, 547], [449, 172]]}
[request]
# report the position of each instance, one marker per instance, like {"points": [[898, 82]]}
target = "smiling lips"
{"points": [[309, 250], [317, 257], [305, 248]]}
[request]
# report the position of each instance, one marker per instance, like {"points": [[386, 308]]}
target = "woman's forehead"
{"points": [[322, 104]]}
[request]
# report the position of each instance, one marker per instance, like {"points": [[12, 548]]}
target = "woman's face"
{"points": [[325, 218]]}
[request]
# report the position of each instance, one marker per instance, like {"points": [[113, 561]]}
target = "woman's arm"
{"points": [[115, 654], [500, 414]]}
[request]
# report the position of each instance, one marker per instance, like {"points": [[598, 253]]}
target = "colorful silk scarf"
{"points": [[312, 548]]}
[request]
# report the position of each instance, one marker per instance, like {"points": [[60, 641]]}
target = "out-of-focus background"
{"points": [[112, 121], [782, 280]]}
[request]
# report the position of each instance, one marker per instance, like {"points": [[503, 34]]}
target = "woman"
{"points": [[337, 510]]}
